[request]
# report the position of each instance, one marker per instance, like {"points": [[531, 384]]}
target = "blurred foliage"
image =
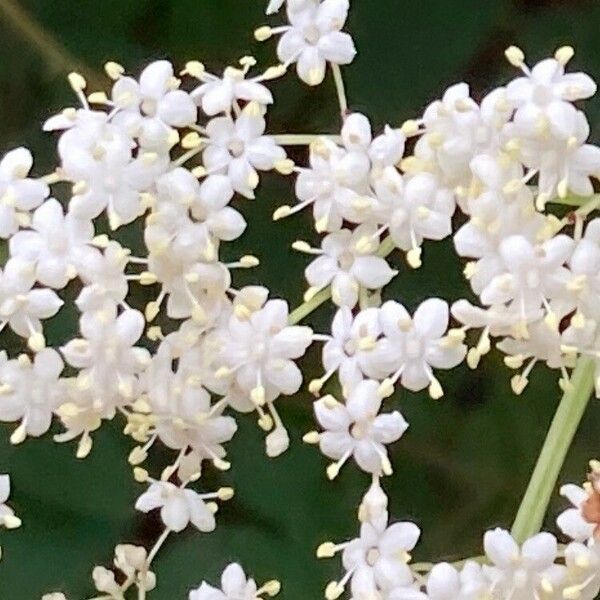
{"points": [[465, 461]]}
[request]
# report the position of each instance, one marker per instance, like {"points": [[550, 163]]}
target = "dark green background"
{"points": [[464, 462]]}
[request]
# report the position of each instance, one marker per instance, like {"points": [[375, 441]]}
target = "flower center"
{"points": [[533, 279], [346, 260], [350, 347], [58, 243], [312, 34], [373, 555], [359, 430], [236, 148], [413, 348], [149, 107], [542, 94]]}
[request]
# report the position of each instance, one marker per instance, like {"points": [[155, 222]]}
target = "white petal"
{"points": [[311, 66], [431, 318], [500, 547], [372, 271], [337, 47]]}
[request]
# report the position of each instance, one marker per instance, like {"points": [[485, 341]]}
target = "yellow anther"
{"points": [[515, 56], [113, 69]]}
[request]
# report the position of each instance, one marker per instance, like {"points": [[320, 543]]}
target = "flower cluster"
{"points": [[170, 344], [377, 562]]}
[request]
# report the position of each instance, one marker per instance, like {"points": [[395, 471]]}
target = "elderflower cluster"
{"points": [[168, 343], [377, 563]]}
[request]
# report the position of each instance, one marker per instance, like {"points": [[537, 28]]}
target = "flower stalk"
{"points": [[565, 423]]}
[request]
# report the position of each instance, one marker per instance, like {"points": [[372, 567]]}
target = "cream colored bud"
{"points": [[274, 72], [272, 587], [515, 56], [113, 69], [410, 127], [413, 258], [248, 261], [137, 456], [282, 212], [97, 98], [36, 342], [194, 68], [191, 140], [140, 475], [315, 386], [564, 54], [152, 309], [84, 447], [333, 471], [312, 437], [77, 82], [333, 590], [147, 278], [225, 493], [326, 550], [11, 522], [285, 166], [263, 33]]}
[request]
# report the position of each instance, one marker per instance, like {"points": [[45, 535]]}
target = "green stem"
{"points": [[340, 88], [573, 200], [564, 425]]}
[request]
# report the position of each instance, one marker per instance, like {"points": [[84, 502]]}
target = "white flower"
{"points": [[413, 211], [583, 571], [211, 208], [412, 347], [108, 360], [446, 583], [348, 261], [217, 95], [585, 267], [564, 164], [387, 149], [314, 38], [182, 407], [18, 193], [356, 429], [349, 349], [239, 147], [336, 184], [234, 586], [194, 289], [152, 107], [543, 343], [543, 96], [495, 217], [454, 134], [377, 560], [21, 307], [7, 514], [338, 181], [522, 573], [104, 278], [533, 275], [178, 506], [256, 352], [58, 244], [189, 219], [97, 157], [275, 5], [572, 521], [30, 392]]}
